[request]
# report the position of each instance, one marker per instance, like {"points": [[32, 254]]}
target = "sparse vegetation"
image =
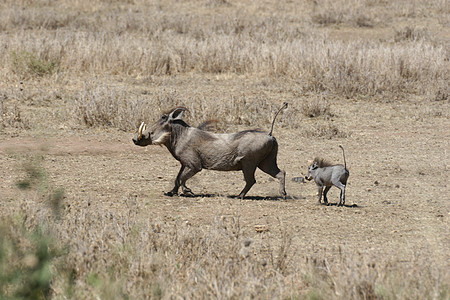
{"points": [[316, 107], [325, 130], [27, 64], [10, 115], [167, 258]]}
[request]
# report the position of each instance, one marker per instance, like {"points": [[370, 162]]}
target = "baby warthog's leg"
{"points": [[342, 197], [325, 191], [319, 192]]}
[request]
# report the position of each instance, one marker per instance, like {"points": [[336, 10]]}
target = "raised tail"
{"points": [[343, 153], [285, 105]]}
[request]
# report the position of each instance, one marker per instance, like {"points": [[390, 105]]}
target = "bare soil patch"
{"points": [[396, 194]]}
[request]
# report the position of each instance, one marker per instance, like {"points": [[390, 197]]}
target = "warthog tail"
{"points": [[285, 105]]}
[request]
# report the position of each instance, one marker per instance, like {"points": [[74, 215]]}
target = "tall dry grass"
{"points": [[64, 41], [104, 105], [140, 39], [132, 40], [320, 63]]}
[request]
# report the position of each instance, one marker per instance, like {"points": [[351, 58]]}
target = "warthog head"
{"points": [[312, 167], [159, 132]]}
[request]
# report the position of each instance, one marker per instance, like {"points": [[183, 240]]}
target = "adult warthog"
{"points": [[197, 149]]}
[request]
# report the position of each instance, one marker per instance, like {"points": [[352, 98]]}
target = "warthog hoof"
{"points": [[188, 194], [170, 194]]}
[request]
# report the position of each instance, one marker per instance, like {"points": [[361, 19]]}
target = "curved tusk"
{"points": [[145, 128], [140, 130]]}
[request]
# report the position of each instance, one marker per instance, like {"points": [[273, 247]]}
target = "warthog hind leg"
{"points": [[269, 166]]}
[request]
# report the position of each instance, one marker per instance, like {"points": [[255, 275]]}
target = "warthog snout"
{"points": [[143, 137]]}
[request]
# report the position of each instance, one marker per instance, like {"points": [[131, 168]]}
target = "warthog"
{"points": [[327, 175], [197, 149]]}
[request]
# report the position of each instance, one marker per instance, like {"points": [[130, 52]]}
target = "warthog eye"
{"points": [[164, 117]]}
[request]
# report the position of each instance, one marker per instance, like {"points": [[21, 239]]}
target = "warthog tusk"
{"points": [[140, 130]]}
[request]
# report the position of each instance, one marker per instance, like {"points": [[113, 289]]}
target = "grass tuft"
{"points": [[28, 64], [315, 107]]}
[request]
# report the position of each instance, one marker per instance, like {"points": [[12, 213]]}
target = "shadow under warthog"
{"points": [[257, 198], [345, 205]]}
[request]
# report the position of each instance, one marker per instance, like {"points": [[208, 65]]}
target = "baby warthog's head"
{"points": [[311, 170], [159, 133]]}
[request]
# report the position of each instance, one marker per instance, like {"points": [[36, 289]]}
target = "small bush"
{"points": [[327, 130], [10, 115], [35, 176], [26, 257], [29, 64], [411, 34], [28, 250], [352, 12], [316, 107]]}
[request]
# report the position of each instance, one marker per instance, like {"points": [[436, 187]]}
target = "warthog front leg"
{"points": [[174, 191], [319, 192], [183, 175]]}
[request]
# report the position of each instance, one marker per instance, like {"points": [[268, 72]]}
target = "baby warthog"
{"points": [[197, 149], [327, 175]]}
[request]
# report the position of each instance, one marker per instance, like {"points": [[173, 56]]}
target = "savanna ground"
{"points": [[83, 211]]}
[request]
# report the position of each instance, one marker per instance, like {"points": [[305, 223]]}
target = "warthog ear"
{"points": [[177, 113]]}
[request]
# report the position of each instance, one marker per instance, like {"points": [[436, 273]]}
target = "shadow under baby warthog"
{"points": [[327, 175], [197, 149]]}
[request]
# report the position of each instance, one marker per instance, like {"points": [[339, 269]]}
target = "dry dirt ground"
{"points": [[398, 204]]}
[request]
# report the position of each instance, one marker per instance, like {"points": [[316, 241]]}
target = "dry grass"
{"points": [[10, 115], [340, 68], [142, 42], [112, 106], [138, 41], [129, 254], [317, 106]]}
